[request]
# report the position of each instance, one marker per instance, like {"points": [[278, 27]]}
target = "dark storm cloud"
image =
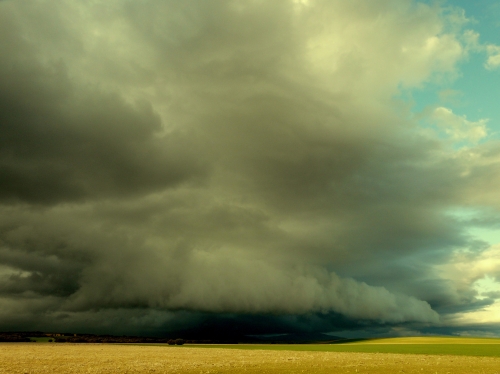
{"points": [[64, 142], [173, 163]]}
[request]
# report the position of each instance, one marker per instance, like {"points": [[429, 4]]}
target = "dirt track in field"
{"points": [[102, 358]]}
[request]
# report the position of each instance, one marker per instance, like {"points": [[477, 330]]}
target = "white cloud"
{"points": [[493, 60], [471, 39], [458, 127], [372, 51], [487, 315], [476, 272], [473, 44]]}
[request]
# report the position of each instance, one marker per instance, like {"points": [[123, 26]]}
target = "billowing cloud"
{"points": [[239, 158], [493, 60], [458, 127]]}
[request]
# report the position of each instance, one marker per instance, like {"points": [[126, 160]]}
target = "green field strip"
{"points": [[486, 350], [425, 340]]}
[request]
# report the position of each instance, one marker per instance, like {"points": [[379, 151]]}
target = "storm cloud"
{"points": [[243, 158]]}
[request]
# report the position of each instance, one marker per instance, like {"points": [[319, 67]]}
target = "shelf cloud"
{"points": [[242, 158]]}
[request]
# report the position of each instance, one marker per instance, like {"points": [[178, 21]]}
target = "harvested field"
{"points": [[107, 358]]}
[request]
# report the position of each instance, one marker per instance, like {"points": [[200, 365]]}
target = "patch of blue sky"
{"points": [[474, 92], [491, 236], [480, 223]]}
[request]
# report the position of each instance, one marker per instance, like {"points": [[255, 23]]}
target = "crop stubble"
{"points": [[107, 358]]}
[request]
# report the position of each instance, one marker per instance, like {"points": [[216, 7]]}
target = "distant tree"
{"points": [[179, 341], [171, 342]]}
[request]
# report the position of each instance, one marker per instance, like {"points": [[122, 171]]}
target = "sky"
{"points": [[250, 166]]}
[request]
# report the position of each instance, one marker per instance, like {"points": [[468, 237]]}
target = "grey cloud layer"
{"points": [[228, 157]]}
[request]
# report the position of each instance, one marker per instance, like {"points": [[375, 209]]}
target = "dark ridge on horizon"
{"points": [[188, 337]]}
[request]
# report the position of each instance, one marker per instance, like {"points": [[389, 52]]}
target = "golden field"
{"points": [[107, 358]]}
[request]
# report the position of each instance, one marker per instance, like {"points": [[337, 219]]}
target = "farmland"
{"points": [[108, 358], [415, 345]]}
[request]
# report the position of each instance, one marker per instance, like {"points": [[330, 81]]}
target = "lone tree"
{"points": [[179, 341]]}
